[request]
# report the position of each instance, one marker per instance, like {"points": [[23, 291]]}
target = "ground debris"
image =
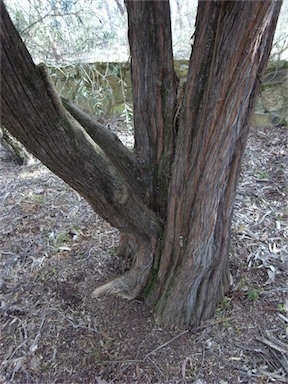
{"points": [[54, 249]]}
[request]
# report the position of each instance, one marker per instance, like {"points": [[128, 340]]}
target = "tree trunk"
{"points": [[172, 199], [220, 93]]}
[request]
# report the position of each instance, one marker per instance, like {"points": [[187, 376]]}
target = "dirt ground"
{"points": [[55, 250]]}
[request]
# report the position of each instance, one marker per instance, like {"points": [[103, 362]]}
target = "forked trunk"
{"points": [[172, 199]]}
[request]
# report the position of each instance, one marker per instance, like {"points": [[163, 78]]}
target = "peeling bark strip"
{"points": [[174, 218]]}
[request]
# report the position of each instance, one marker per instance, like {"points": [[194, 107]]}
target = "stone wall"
{"points": [[272, 106], [105, 88]]}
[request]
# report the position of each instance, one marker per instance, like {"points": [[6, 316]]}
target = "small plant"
{"points": [[95, 352], [54, 271], [282, 308], [253, 294], [225, 305], [38, 198], [262, 175], [127, 113], [62, 237], [60, 240], [225, 324]]}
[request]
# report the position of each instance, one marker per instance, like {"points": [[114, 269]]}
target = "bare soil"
{"points": [[55, 250]]}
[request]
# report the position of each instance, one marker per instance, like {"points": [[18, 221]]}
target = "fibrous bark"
{"points": [[154, 86], [220, 94]]}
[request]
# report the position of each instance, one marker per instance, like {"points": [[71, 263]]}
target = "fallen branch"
{"points": [[273, 343]]}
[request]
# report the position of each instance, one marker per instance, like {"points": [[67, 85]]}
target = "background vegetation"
{"points": [[62, 32]]}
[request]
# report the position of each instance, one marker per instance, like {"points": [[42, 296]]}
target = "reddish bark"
{"points": [[220, 94]]}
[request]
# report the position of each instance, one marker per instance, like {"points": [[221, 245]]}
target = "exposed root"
{"points": [[127, 286], [132, 283]]}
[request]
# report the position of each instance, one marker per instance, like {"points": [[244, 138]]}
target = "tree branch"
{"points": [[120, 156]]}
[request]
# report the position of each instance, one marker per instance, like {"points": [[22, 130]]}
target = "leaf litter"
{"points": [[55, 250]]}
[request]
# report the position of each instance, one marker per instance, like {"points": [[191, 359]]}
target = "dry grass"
{"points": [[55, 250]]}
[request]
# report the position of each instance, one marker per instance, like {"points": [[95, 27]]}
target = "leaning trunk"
{"points": [[86, 155]]}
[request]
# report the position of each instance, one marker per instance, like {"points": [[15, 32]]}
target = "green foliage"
{"points": [[96, 88], [67, 31], [253, 294], [262, 175], [225, 305], [127, 108], [282, 308], [38, 198], [85, 86]]}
